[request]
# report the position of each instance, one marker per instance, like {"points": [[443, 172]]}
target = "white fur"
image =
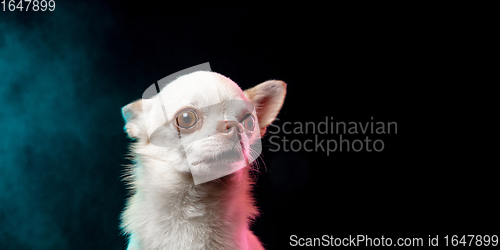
{"points": [[166, 209]]}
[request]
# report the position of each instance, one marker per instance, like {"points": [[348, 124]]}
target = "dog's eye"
{"points": [[186, 119], [249, 122]]}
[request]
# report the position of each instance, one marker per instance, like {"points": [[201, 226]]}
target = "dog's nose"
{"points": [[230, 128]]}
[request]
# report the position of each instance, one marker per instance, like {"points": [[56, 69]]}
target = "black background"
{"points": [[347, 62]]}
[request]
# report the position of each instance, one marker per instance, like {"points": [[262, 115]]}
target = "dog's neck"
{"points": [[213, 214]]}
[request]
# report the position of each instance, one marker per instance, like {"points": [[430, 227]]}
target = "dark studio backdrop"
{"points": [[64, 75]]}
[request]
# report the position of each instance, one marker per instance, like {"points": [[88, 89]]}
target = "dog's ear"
{"points": [[133, 114], [267, 99]]}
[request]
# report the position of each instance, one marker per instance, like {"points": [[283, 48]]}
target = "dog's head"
{"points": [[204, 124]]}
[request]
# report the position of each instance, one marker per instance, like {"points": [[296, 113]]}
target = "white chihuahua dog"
{"points": [[191, 160]]}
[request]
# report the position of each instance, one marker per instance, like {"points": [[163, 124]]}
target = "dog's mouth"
{"points": [[228, 156]]}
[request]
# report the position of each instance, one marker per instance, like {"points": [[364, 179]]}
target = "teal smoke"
{"points": [[59, 177]]}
